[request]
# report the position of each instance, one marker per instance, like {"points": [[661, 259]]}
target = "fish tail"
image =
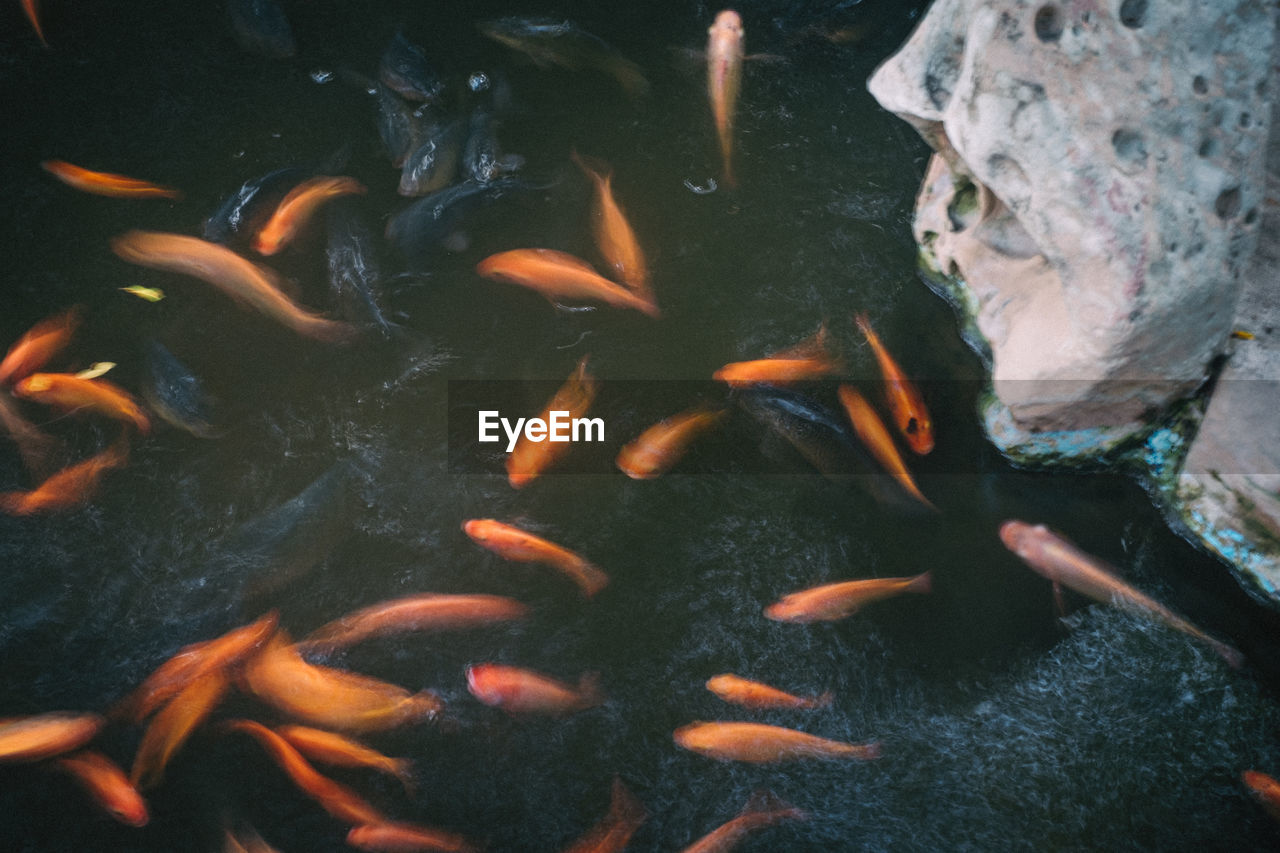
{"points": [[921, 583], [590, 693], [765, 802], [865, 751], [590, 577], [822, 700], [402, 769], [1233, 656], [14, 503]]}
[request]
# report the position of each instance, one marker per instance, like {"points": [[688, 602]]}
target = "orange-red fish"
{"points": [[512, 543], [335, 798], [71, 487], [753, 694], [297, 208], [658, 448], [106, 783], [38, 346], [810, 359], [725, 53], [69, 393], [838, 600], [396, 837], [33, 15], [613, 832], [331, 698], [41, 736], [1265, 790], [529, 459], [1062, 562], [241, 279], [761, 744], [105, 183], [559, 275], [192, 662], [873, 433], [910, 414], [174, 724], [614, 237], [523, 691], [342, 751], [427, 612], [762, 810]]}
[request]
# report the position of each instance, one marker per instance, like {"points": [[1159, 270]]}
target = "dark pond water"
{"points": [[1002, 727]]}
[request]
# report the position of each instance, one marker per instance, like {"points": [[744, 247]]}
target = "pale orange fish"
{"points": [[754, 694], [528, 460], [237, 277], [35, 447], [33, 15], [910, 414], [512, 543], [1063, 563], [395, 837], [38, 346], [105, 183], [810, 359], [523, 691], [762, 810], [1265, 790], [296, 209], [342, 751], [106, 783], [331, 698], [40, 736], [72, 487], [658, 448], [559, 275], [193, 661], [873, 433], [335, 798], [725, 53], [614, 237], [244, 839], [838, 600], [69, 393], [613, 832], [426, 612], [758, 743], [174, 725]]}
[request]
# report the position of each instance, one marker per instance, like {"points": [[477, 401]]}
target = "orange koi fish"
{"points": [[753, 694], [38, 346], [72, 487], [331, 698], [105, 183], [427, 612], [808, 360], [107, 785], [725, 53], [762, 809], [614, 238], [905, 403], [512, 543], [241, 279], [658, 448], [394, 837], [193, 662], [1265, 790], [838, 600], [297, 208], [33, 15], [335, 798], [175, 723], [40, 736], [523, 691], [559, 275], [1060, 561], [68, 393], [528, 460], [341, 751], [761, 744], [613, 832], [873, 433]]}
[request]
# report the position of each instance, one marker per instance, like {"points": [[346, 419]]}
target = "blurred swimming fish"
{"points": [[833, 601], [433, 164], [40, 736], [808, 360], [613, 233], [757, 743], [530, 459], [39, 345], [399, 836], [68, 393], [34, 446], [523, 691], [72, 487], [93, 371], [297, 208], [173, 726], [260, 27], [660, 447], [558, 42], [401, 126], [31, 9], [106, 183], [424, 226], [613, 831], [175, 394], [763, 809], [873, 433], [342, 751], [107, 785], [244, 211], [1265, 789], [561, 276], [426, 612], [404, 69], [754, 694], [725, 53], [905, 401], [512, 543], [482, 156], [355, 276]]}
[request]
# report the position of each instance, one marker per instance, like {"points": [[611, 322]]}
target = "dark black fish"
{"points": [[405, 69], [355, 276], [422, 226], [262, 28], [249, 207], [401, 125], [482, 159], [176, 395], [434, 163], [564, 43]]}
